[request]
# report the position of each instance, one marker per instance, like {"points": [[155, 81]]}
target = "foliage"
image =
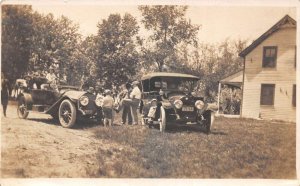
{"points": [[55, 42], [34, 41], [169, 28], [210, 62], [117, 53], [16, 33], [117, 57]]}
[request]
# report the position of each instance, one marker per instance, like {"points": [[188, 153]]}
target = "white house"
{"points": [[269, 78]]}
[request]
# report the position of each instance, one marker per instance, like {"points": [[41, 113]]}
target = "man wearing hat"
{"points": [[122, 97], [136, 96]]}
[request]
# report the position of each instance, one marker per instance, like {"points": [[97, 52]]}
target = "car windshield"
{"points": [[173, 83]]}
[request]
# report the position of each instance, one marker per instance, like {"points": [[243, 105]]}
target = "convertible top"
{"points": [[167, 74]]}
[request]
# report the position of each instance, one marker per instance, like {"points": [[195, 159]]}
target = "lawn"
{"points": [[236, 148]]}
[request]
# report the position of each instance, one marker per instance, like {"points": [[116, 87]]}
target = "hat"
{"points": [[135, 83], [107, 91], [91, 90]]}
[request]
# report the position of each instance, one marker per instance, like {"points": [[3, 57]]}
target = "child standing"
{"points": [[108, 103]]}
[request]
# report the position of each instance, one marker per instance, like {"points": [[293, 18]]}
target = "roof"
{"points": [[167, 74], [235, 79], [285, 20]]}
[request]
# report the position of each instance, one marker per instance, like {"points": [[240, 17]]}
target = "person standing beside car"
{"points": [[135, 97], [107, 107], [4, 93], [125, 94]]}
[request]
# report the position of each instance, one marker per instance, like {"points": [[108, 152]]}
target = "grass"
{"points": [[236, 148]]}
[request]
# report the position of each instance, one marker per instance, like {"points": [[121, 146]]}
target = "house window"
{"points": [[269, 57], [294, 96], [267, 94]]}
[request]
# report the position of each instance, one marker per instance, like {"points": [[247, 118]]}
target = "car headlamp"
{"points": [[178, 104], [84, 100], [199, 104], [99, 101]]}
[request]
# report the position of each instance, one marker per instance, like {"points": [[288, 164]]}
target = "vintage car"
{"points": [[169, 99], [64, 103]]}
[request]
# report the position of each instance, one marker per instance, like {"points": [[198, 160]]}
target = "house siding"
{"points": [[283, 76]]}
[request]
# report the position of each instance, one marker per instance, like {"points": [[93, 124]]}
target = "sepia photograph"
{"points": [[148, 90]]}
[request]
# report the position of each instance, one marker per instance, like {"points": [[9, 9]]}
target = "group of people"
{"points": [[127, 101], [39, 82]]}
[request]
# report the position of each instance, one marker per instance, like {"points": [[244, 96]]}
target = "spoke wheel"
{"points": [[22, 108], [67, 114], [162, 120]]}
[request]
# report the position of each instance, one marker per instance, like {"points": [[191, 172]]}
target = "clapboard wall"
{"points": [[283, 76]]}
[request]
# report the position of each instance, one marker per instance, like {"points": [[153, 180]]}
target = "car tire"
{"points": [[162, 120], [22, 108], [67, 114]]}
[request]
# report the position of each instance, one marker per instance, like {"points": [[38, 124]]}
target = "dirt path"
{"points": [[37, 147]]}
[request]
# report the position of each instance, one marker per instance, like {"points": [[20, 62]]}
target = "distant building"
{"points": [[269, 78]]}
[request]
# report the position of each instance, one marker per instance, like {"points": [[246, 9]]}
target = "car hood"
{"points": [[74, 94]]}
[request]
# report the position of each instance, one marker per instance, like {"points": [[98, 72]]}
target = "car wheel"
{"points": [[22, 108], [207, 122], [67, 114], [162, 120]]}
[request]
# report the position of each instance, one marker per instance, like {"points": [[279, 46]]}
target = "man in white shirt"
{"points": [[135, 96]]}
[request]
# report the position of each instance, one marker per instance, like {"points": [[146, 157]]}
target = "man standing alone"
{"points": [[135, 95], [4, 93]]}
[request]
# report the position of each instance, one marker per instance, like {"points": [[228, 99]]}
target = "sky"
{"points": [[217, 22]]}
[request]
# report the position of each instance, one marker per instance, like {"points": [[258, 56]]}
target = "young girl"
{"points": [[108, 103]]}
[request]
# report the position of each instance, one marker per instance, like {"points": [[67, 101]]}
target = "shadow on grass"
{"points": [[190, 129]]}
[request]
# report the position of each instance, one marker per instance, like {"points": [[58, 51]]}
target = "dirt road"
{"points": [[38, 147]]}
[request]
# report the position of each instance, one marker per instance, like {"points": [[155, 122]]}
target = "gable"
{"points": [[285, 22]]}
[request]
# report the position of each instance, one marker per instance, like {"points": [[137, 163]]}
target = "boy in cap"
{"points": [[108, 103]]}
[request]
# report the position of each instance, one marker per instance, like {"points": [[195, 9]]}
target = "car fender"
{"points": [[71, 95], [28, 99], [212, 107], [167, 104]]}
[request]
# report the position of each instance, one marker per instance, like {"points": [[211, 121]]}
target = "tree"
{"points": [[117, 57], [169, 28], [54, 42], [219, 61], [16, 35]]}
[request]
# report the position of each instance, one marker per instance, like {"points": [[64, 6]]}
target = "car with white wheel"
{"points": [[64, 103], [168, 99]]}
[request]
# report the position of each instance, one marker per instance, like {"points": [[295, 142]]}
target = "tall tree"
{"points": [[16, 35], [54, 42], [117, 57], [169, 28]]}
